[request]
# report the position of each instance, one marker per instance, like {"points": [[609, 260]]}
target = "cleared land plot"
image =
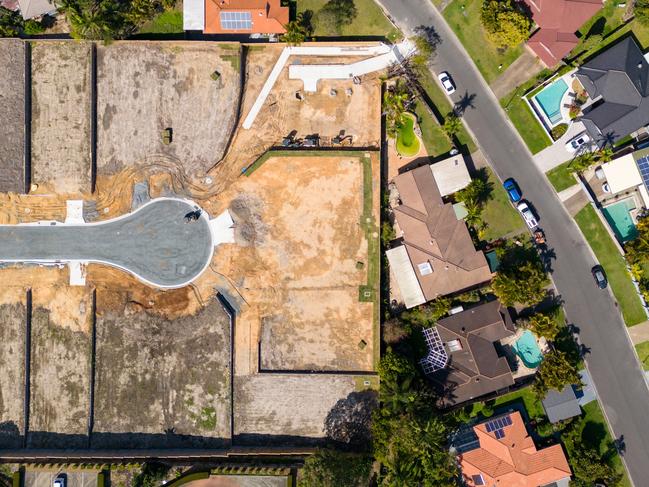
{"points": [[12, 115], [290, 406], [302, 256], [145, 87], [160, 382], [61, 115], [242, 481], [13, 316], [60, 367]]}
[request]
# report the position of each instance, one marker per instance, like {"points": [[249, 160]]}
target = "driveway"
{"points": [[557, 154], [153, 243], [610, 359], [73, 478], [525, 67]]}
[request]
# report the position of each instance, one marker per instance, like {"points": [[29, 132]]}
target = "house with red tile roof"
{"points": [[502, 453], [235, 16], [557, 22]]}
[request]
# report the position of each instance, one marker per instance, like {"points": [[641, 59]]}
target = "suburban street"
{"points": [[611, 361]]}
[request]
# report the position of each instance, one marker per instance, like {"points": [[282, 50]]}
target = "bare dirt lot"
{"points": [[13, 316], [60, 366], [61, 115], [12, 115], [160, 382], [145, 87]]}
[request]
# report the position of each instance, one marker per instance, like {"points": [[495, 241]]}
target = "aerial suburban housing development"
{"points": [[324, 243]]}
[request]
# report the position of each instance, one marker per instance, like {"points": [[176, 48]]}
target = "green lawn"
{"points": [[370, 20], [532, 404], [499, 214], [560, 177], [463, 16], [614, 265], [435, 140], [643, 354], [168, 22], [525, 122], [439, 99]]}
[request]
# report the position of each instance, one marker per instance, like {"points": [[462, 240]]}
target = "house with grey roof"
{"points": [[560, 405], [462, 361], [617, 80]]}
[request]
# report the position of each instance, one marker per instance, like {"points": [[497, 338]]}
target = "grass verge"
{"points": [[370, 21], [499, 215], [435, 140], [614, 265], [525, 122], [463, 16], [561, 177], [643, 354]]}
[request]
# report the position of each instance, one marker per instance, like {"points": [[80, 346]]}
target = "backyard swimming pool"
{"points": [[549, 99], [528, 350], [619, 218], [407, 140]]}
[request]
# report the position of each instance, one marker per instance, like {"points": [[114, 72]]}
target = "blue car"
{"points": [[513, 190]]}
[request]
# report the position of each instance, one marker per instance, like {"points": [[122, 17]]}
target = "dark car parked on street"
{"points": [[599, 276]]}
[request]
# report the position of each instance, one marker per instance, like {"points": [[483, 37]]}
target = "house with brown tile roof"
{"points": [[241, 16], [473, 366], [558, 20], [437, 256], [505, 455]]}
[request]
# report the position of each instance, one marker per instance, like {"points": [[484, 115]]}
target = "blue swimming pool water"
{"points": [[619, 218], [549, 99], [528, 350]]}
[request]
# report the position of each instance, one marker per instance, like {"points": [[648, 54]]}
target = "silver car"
{"points": [[527, 215]]}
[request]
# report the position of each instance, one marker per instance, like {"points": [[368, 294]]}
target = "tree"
{"points": [[395, 102], [505, 24], [544, 325], [582, 162], [524, 285], [555, 372], [425, 45], [452, 125], [151, 475], [641, 11], [295, 33], [334, 15], [331, 468]]}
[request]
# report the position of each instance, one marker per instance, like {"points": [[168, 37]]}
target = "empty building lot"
{"points": [[147, 87], [61, 111], [12, 115], [160, 383], [60, 367]]}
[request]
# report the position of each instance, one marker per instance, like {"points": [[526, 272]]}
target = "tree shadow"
{"points": [[348, 423], [597, 28], [429, 33], [464, 103], [593, 434]]}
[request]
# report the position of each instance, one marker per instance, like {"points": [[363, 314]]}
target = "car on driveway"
{"points": [[576, 143], [513, 191], [447, 82], [599, 276], [59, 481], [528, 216]]}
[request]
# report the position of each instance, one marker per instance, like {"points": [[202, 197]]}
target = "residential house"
{"points": [[503, 453], [561, 405], [436, 256], [235, 16], [30, 9], [617, 80], [557, 22], [462, 360]]}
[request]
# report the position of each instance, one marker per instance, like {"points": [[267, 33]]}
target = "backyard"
{"points": [[370, 20], [463, 16], [561, 177], [499, 215], [167, 22], [614, 265]]}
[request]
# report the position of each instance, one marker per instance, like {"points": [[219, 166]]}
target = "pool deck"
{"points": [[519, 369]]}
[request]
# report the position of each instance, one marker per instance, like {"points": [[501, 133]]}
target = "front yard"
{"points": [[499, 214], [614, 265], [435, 140], [463, 16], [643, 354], [561, 177]]}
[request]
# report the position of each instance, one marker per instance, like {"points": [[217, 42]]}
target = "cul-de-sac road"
{"points": [[617, 376], [154, 243]]}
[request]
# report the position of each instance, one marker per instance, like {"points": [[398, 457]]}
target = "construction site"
{"points": [[279, 334]]}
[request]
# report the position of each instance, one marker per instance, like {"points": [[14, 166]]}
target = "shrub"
{"points": [[505, 24], [559, 130]]}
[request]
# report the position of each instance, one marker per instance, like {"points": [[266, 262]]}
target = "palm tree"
{"points": [[582, 162], [395, 101], [452, 125], [295, 33]]}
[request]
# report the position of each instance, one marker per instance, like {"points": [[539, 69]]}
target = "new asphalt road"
{"points": [[611, 362], [154, 243]]}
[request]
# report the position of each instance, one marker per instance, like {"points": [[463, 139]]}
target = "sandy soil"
{"points": [[12, 114], [180, 370], [60, 366], [145, 87], [241, 481], [61, 115]]}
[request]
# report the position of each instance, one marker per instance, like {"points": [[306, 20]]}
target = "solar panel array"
{"points": [[236, 21], [496, 426], [643, 167], [437, 357]]}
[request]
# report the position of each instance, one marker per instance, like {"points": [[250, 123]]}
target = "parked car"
{"points": [[513, 190], [447, 82], [59, 481], [527, 215], [576, 143], [599, 276]]}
